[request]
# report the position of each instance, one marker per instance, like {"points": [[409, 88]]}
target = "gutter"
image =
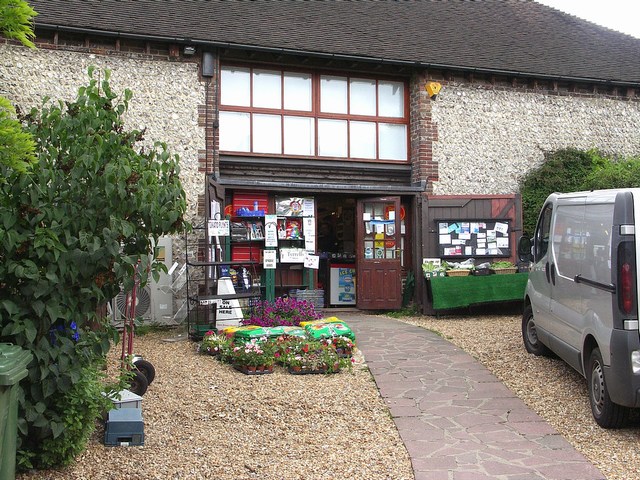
{"points": [[337, 56]]}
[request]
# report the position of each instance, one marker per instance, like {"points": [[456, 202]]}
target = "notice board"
{"points": [[474, 238]]}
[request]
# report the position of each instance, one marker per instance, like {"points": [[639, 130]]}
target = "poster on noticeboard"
{"points": [[474, 238]]}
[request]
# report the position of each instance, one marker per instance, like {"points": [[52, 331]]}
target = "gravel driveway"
{"points": [[203, 419], [547, 385]]}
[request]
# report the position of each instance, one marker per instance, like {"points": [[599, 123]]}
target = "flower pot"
{"points": [[253, 370]]}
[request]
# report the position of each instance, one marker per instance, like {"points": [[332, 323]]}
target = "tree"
{"points": [[16, 18], [74, 227], [16, 146]]}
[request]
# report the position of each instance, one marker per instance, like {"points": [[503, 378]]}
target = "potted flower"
{"points": [[343, 346], [214, 344], [255, 356]]}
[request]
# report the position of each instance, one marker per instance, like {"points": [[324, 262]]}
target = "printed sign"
{"points": [[269, 259], [218, 228]]}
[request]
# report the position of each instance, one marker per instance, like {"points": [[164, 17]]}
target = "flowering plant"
{"points": [[213, 344], [313, 356], [284, 311], [254, 353], [342, 343], [60, 330]]}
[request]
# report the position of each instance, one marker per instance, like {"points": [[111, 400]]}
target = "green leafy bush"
{"points": [[73, 226], [571, 170], [563, 171], [615, 174], [79, 407]]}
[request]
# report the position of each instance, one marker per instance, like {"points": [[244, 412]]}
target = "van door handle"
{"points": [[553, 274], [546, 272]]}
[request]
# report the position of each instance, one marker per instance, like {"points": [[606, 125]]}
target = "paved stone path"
{"points": [[457, 420]]}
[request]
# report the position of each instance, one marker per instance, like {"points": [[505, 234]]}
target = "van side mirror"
{"points": [[525, 253]]}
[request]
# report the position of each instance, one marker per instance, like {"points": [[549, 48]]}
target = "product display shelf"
{"points": [[291, 275], [217, 289]]}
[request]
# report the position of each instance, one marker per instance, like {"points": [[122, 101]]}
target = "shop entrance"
{"points": [[336, 249], [359, 244]]}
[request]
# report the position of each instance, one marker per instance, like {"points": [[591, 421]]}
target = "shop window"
{"points": [[363, 97], [391, 99], [299, 136], [266, 89], [362, 137], [332, 138], [235, 129], [237, 91], [266, 133], [297, 91], [277, 112]]}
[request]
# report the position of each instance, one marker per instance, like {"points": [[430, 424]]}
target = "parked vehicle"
{"points": [[581, 300]]}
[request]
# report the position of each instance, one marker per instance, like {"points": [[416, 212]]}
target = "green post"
{"points": [[13, 368], [270, 284]]}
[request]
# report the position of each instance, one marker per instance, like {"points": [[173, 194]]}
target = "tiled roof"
{"points": [[515, 36]]}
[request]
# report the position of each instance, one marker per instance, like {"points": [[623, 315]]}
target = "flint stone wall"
{"points": [[488, 138], [166, 96]]}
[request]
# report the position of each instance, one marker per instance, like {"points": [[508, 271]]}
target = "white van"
{"points": [[581, 301]]}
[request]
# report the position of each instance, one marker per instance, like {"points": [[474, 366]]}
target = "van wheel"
{"points": [[606, 413], [530, 334]]}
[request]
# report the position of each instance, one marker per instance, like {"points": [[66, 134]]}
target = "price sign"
{"points": [[218, 228]]}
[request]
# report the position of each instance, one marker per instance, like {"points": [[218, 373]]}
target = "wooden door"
{"points": [[378, 267]]}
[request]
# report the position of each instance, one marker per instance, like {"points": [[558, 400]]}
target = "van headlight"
{"points": [[635, 361]]}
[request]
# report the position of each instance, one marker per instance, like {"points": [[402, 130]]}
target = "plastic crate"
{"points": [[315, 297]]}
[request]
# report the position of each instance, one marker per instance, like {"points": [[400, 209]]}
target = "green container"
{"points": [[13, 368]]}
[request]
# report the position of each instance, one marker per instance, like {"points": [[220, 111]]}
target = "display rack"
{"points": [[218, 290]]}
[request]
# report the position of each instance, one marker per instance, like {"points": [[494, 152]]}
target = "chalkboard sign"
{"points": [[474, 238]]}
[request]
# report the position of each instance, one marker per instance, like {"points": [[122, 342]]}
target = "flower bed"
{"points": [[296, 354]]}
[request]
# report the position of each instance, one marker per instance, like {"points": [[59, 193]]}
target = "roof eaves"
{"points": [[349, 57]]}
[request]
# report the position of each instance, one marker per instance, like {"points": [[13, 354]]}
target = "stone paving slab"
{"points": [[457, 421]]}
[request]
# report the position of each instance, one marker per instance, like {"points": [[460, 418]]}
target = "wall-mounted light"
{"points": [[189, 50], [432, 88]]}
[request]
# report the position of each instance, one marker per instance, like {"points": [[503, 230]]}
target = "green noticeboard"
{"points": [[456, 292]]}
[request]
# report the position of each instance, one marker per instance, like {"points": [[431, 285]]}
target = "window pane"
{"points": [[393, 141], [391, 99], [332, 138], [333, 94], [267, 89], [267, 135], [362, 136], [235, 86], [234, 131], [362, 97], [297, 91], [299, 136]]}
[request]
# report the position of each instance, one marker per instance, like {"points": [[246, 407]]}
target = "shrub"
{"points": [[563, 171], [74, 225]]}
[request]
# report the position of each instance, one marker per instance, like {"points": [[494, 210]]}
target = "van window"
{"points": [[569, 239], [542, 232], [597, 266]]}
